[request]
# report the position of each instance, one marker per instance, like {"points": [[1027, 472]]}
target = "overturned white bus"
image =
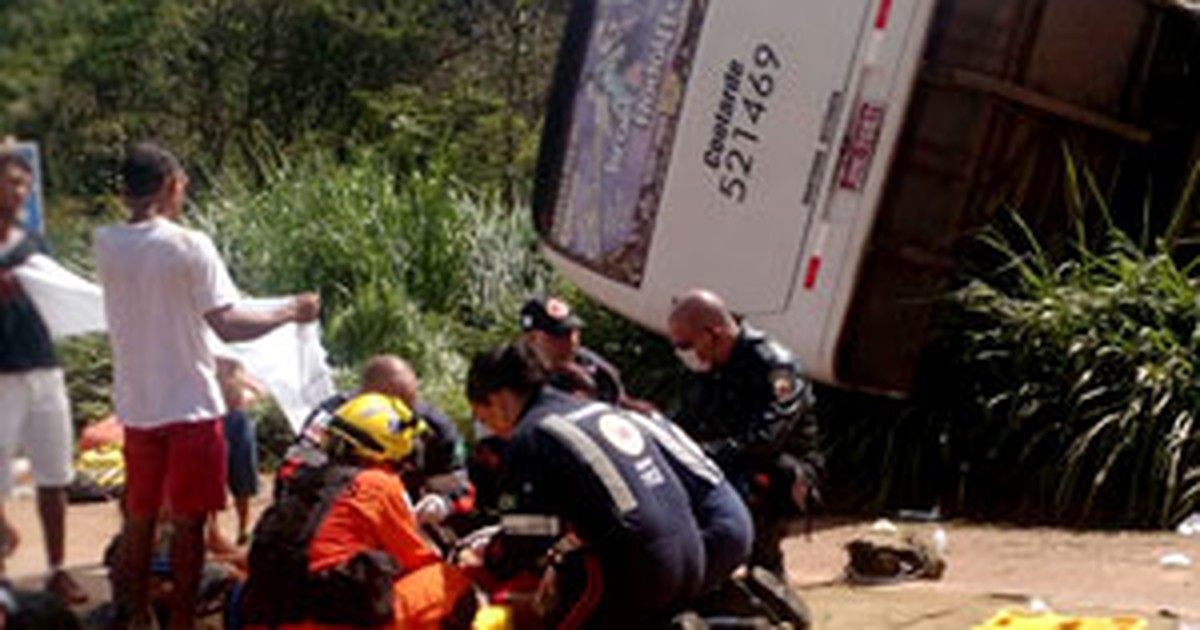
{"points": [[816, 162]]}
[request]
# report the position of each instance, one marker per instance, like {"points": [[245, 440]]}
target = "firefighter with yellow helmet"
{"points": [[341, 547]]}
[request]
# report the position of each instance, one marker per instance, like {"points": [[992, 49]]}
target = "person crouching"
{"points": [[340, 547]]}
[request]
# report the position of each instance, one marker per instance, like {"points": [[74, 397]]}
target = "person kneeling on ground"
{"points": [[590, 490], [435, 474], [341, 546]]}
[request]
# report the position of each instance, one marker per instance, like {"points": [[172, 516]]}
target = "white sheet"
{"points": [[67, 303], [290, 360]]}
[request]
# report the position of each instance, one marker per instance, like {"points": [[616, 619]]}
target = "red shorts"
{"points": [[181, 465]]}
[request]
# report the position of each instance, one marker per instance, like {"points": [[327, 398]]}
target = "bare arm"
{"points": [[233, 324]]}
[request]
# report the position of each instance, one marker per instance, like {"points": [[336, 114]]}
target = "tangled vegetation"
{"points": [[1065, 388], [416, 265]]}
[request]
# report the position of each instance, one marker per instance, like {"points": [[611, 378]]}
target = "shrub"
{"points": [[1064, 388], [414, 264]]}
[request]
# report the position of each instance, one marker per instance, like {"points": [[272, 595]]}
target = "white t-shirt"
{"points": [[159, 280]]}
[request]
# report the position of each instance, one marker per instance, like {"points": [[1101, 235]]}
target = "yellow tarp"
{"points": [[1018, 619]]}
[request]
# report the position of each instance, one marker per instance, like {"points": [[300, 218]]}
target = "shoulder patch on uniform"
{"points": [[784, 383], [777, 353], [622, 434]]}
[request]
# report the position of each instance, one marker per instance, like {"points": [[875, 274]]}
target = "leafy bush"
{"points": [[415, 265], [1086, 375], [1065, 388], [88, 374]]}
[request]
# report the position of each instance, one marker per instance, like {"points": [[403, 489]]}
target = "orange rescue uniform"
{"points": [[372, 514]]}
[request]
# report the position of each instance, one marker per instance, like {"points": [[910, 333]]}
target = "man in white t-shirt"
{"points": [[163, 286]]}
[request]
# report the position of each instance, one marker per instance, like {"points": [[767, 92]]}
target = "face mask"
{"points": [[692, 361]]}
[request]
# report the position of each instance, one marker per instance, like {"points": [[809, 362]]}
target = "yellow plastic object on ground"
{"points": [[105, 465], [1019, 619], [492, 617]]}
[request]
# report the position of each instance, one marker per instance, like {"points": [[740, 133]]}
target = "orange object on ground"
{"points": [[103, 433]]}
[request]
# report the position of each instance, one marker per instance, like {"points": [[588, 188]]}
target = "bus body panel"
{"points": [[894, 130], [760, 177]]}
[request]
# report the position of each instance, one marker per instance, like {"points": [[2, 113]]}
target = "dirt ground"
{"points": [[989, 568]]}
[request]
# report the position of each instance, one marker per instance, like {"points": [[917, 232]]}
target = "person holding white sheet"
{"points": [[164, 285], [35, 414]]}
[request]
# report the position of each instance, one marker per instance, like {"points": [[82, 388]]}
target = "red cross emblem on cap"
{"points": [[557, 308]]}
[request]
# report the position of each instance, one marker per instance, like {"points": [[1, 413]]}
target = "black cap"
{"points": [[550, 315]]}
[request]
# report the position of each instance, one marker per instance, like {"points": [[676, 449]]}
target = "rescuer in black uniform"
{"points": [[593, 485], [748, 405], [551, 330]]}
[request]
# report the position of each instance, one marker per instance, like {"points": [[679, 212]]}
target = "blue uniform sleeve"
{"points": [[529, 522]]}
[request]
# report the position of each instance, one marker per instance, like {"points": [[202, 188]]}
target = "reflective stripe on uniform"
{"points": [[530, 525], [585, 411], [681, 447], [595, 458]]}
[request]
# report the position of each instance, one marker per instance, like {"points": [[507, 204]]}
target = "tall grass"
{"points": [[410, 263], [1063, 387], [1085, 374]]}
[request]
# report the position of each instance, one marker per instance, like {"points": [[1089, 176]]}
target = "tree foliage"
{"points": [[389, 141], [452, 82]]}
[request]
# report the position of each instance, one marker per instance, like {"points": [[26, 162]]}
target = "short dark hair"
{"points": [[147, 166], [512, 367], [11, 159]]}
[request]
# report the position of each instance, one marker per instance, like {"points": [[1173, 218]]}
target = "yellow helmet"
{"points": [[376, 427]]}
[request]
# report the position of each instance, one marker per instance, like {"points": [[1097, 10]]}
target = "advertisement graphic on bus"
{"points": [[630, 90]]}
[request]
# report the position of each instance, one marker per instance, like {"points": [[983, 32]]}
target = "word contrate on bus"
{"points": [[731, 147]]}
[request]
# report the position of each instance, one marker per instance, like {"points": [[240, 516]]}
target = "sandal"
{"points": [[61, 584]]}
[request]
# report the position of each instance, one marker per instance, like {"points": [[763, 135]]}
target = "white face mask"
{"points": [[692, 361]]}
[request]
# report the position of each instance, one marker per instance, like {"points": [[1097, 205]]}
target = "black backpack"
{"points": [[280, 589]]}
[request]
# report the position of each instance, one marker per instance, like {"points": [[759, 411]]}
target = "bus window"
{"points": [[619, 87]]}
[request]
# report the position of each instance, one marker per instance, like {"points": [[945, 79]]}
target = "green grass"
{"points": [[409, 263], [1063, 387]]}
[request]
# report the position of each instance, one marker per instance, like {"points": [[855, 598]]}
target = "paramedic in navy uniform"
{"points": [[747, 404], [594, 488]]}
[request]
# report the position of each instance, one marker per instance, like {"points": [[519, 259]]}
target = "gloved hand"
{"points": [[793, 483], [472, 549], [432, 509]]}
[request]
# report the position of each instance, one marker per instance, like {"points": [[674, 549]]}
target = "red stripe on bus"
{"points": [[814, 267], [881, 18]]}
